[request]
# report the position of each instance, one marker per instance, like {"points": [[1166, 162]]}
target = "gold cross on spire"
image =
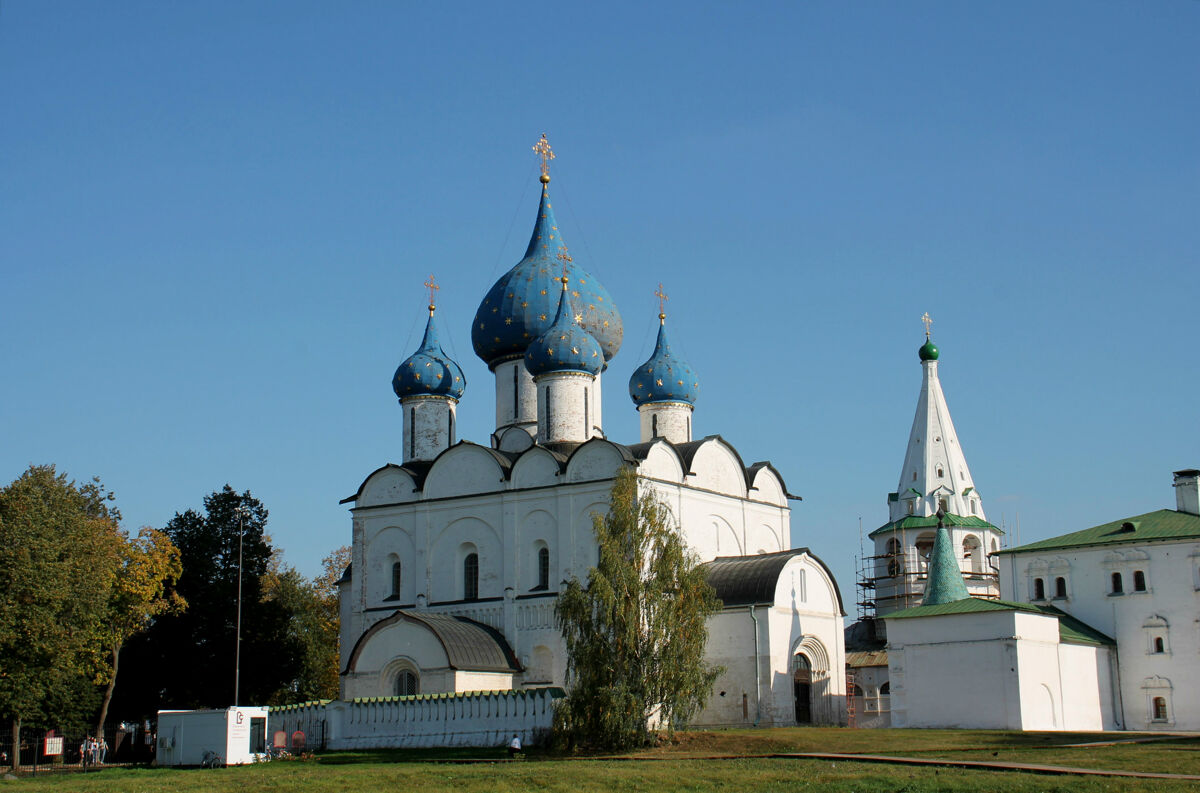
{"points": [[433, 288], [662, 303], [925, 318], [564, 257], [543, 150]]}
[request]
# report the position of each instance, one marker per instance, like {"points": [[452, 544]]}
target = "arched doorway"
{"points": [[802, 687]]}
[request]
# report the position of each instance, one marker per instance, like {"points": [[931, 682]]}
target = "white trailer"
{"points": [[211, 737]]}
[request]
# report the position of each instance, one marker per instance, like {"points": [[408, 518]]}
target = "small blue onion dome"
{"points": [[928, 351], [429, 371], [665, 377], [564, 346], [520, 306]]}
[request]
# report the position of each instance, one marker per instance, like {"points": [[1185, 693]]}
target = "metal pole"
{"points": [[237, 658]]}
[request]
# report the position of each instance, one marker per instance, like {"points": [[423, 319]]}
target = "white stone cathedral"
{"points": [[459, 550]]}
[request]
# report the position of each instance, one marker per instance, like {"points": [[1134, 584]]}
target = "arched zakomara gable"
{"points": [[385, 547], [537, 467], [388, 484], [466, 469], [428, 642], [447, 555]]}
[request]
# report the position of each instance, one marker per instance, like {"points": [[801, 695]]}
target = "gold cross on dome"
{"points": [[433, 288], [543, 150], [565, 258], [662, 301], [925, 318]]}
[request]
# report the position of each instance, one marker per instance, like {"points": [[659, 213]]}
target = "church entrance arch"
{"points": [[802, 679]]}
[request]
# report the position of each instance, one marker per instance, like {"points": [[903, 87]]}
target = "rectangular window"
{"points": [[258, 736]]}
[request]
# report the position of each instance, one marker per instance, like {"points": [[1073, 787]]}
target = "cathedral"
{"points": [[460, 548]]}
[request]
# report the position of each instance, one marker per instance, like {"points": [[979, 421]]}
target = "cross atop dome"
{"points": [[662, 303], [542, 149], [928, 321], [432, 287]]}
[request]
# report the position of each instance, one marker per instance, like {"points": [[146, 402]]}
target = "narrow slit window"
{"points": [[396, 579], [412, 432], [471, 577], [543, 559]]}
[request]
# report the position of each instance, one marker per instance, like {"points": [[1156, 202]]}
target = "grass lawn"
{"points": [[674, 767]]}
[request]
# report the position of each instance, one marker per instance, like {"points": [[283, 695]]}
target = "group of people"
{"points": [[92, 751]]}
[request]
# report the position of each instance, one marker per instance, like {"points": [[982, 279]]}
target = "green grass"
{"points": [[676, 767]]}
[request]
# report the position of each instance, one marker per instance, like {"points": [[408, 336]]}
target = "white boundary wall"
{"points": [[477, 718]]}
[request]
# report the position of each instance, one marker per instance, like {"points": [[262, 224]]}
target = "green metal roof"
{"points": [[945, 582], [910, 522], [1163, 524], [1070, 629]]}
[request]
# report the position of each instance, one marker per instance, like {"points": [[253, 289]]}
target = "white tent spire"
{"points": [[935, 468]]}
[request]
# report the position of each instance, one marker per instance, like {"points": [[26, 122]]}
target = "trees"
{"points": [[187, 660], [314, 610], [635, 633], [60, 547], [142, 590]]}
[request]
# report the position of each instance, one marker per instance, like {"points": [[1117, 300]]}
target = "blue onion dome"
{"points": [[665, 377], [429, 371], [565, 346], [928, 351], [520, 306]]}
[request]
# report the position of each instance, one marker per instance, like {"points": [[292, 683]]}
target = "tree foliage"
{"points": [[635, 632], [60, 550], [187, 660], [313, 627], [142, 590]]}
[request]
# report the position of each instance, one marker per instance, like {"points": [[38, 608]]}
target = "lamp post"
{"points": [[237, 656]]}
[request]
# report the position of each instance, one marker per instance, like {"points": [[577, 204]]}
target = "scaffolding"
{"points": [[896, 581]]}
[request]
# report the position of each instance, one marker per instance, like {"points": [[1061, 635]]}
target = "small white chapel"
{"points": [[459, 548]]}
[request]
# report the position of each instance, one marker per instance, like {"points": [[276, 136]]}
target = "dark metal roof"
{"points": [[469, 645], [750, 580], [746, 580]]}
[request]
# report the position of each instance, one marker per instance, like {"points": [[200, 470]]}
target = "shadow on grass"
{"points": [[432, 755]]}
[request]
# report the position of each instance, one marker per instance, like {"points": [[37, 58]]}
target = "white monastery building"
{"points": [[934, 478], [459, 549], [1093, 630]]}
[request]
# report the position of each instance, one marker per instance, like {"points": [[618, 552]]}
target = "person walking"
{"points": [[514, 746], [84, 750]]}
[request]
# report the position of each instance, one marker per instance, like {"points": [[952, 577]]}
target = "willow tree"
{"points": [[635, 631]]}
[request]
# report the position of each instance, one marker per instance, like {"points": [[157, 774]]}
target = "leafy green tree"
{"points": [[187, 660], [143, 589], [313, 606], [635, 632], [59, 558]]}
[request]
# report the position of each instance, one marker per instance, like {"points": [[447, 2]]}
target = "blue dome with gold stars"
{"points": [[429, 371], [565, 346], [665, 377], [520, 306]]}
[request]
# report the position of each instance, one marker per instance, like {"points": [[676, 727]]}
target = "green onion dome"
{"points": [[928, 351], [564, 346], [429, 371]]}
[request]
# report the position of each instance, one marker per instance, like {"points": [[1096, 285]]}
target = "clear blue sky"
{"points": [[215, 219]]}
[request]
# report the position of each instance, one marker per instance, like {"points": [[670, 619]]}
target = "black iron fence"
{"points": [[49, 751]]}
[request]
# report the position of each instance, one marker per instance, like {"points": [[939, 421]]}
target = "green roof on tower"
{"points": [[945, 581]]}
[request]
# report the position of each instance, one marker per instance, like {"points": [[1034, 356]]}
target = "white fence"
{"points": [[477, 718]]}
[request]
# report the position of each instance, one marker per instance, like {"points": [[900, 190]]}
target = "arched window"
{"points": [[1039, 589], [543, 568], [943, 505], [1118, 586], [1139, 581], [1060, 587], [1159, 645], [654, 426], [885, 689], [395, 579], [894, 565], [471, 577], [858, 692], [1160, 708], [914, 476], [941, 473], [406, 684], [912, 506], [973, 553]]}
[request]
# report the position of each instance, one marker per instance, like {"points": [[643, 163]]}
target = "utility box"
{"points": [[234, 736]]}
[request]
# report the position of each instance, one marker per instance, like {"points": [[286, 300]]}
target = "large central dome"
{"points": [[522, 304]]}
